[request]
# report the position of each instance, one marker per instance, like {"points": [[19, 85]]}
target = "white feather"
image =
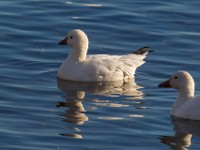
{"points": [[79, 66], [187, 105]]}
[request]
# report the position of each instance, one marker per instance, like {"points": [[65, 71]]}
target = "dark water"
{"points": [[37, 111]]}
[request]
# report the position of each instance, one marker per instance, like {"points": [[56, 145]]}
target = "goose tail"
{"points": [[142, 51]]}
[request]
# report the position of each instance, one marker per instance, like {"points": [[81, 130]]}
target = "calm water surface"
{"points": [[39, 112]]}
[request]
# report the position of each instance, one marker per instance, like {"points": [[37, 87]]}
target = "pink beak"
{"points": [[63, 42], [165, 84]]}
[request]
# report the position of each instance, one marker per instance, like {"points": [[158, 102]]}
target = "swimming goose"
{"points": [[187, 105], [79, 66]]}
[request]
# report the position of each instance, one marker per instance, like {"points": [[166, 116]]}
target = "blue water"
{"points": [[39, 112]]}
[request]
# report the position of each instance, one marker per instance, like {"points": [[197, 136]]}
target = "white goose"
{"points": [[79, 66], [187, 105]]}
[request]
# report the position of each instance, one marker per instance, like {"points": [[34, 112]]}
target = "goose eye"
{"points": [[71, 37], [176, 77]]}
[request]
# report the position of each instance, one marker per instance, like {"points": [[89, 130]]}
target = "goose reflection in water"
{"points": [[75, 113], [184, 129], [75, 94]]}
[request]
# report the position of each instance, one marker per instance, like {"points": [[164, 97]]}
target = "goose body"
{"points": [[187, 105], [79, 66]]}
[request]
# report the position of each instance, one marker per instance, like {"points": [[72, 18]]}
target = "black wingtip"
{"points": [[142, 50]]}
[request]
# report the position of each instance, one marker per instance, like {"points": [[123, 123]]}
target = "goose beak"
{"points": [[63, 42], [165, 84]]}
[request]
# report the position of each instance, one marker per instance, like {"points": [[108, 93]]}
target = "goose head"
{"points": [[75, 38], [78, 41], [181, 80]]}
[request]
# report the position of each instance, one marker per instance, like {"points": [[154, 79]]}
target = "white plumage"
{"points": [[187, 105], [79, 66]]}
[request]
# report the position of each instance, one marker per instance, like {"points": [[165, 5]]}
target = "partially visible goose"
{"points": [[187, 105], [79, 66]]}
